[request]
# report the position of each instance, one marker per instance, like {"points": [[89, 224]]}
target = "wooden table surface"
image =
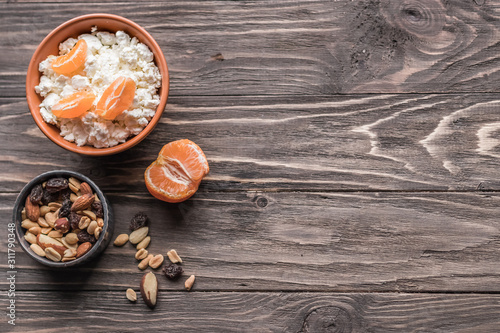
{"points": [[354, 159]]}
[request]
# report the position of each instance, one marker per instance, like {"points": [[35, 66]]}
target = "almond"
{"points": [[83, 249], [32, 211], [37, 249], [45, 241], [174, 257], [83, 202], [35, 230], [189, 283], [144, 243], [145, 262], [141, 254], [62, 225], [85, 188], [131, 295], [52, 254], [156, 261], [149, 289], [71, 238], [121, 240], [138, 235]]}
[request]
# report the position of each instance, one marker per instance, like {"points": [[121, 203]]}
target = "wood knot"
{"points": [[418, 17], [260, 201], [331, 319]]}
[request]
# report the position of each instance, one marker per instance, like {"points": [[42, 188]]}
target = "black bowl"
{"points": [[97, 248]]}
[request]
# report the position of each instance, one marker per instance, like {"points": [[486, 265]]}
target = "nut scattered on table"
{"points": [[138, 235], [156, 261], [145, 262], [144, 243], [189, 283], [121, 240], [53, 229], [149, 289], [141, 254], [174, 257], [131, 295]]}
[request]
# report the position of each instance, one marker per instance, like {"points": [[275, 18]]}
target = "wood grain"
{"points": [[290, 47], [300, 241], [339, 143], [258, 312]]}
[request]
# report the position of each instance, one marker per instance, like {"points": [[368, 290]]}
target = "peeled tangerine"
{"points": [[116, 98], [177, 172], [72, 62], [74, 105]]}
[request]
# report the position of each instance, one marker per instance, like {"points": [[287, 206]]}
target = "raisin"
{"points": [[84, 236], [56, 184], [138, 221], [97, 209], [74, 219], [49, 197], [66, 194], [173, 271], [65, 208], [36, 194]]}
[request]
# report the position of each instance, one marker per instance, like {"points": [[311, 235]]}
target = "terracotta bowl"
{"points": [[74, 28], [97, 248]]}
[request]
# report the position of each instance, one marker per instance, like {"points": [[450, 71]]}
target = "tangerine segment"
{"points": [[74, 105], [73, 61], [177, 172], [116, 98]]}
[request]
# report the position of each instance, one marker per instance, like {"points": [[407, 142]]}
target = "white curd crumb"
{"points": [[108, 57]]}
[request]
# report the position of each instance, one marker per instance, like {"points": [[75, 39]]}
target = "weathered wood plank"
{"points": [[256, 312], [290, 47], [300, 241], [353, 142]]}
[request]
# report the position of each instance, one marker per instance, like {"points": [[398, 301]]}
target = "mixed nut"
{"points": [[63, 219], [149, 284]]}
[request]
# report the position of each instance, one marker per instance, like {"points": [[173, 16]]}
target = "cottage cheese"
{"points": [[108, 57]]}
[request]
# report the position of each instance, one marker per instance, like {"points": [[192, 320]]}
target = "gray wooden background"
{"points": [[354, 154]]}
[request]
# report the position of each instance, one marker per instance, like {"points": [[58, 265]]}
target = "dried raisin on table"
{"points": [[173, 271], [97, 209], [74, 219], [84, 236], [65, 209], [36, 194], [56, 184], [49, 197], [138, 221]]}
